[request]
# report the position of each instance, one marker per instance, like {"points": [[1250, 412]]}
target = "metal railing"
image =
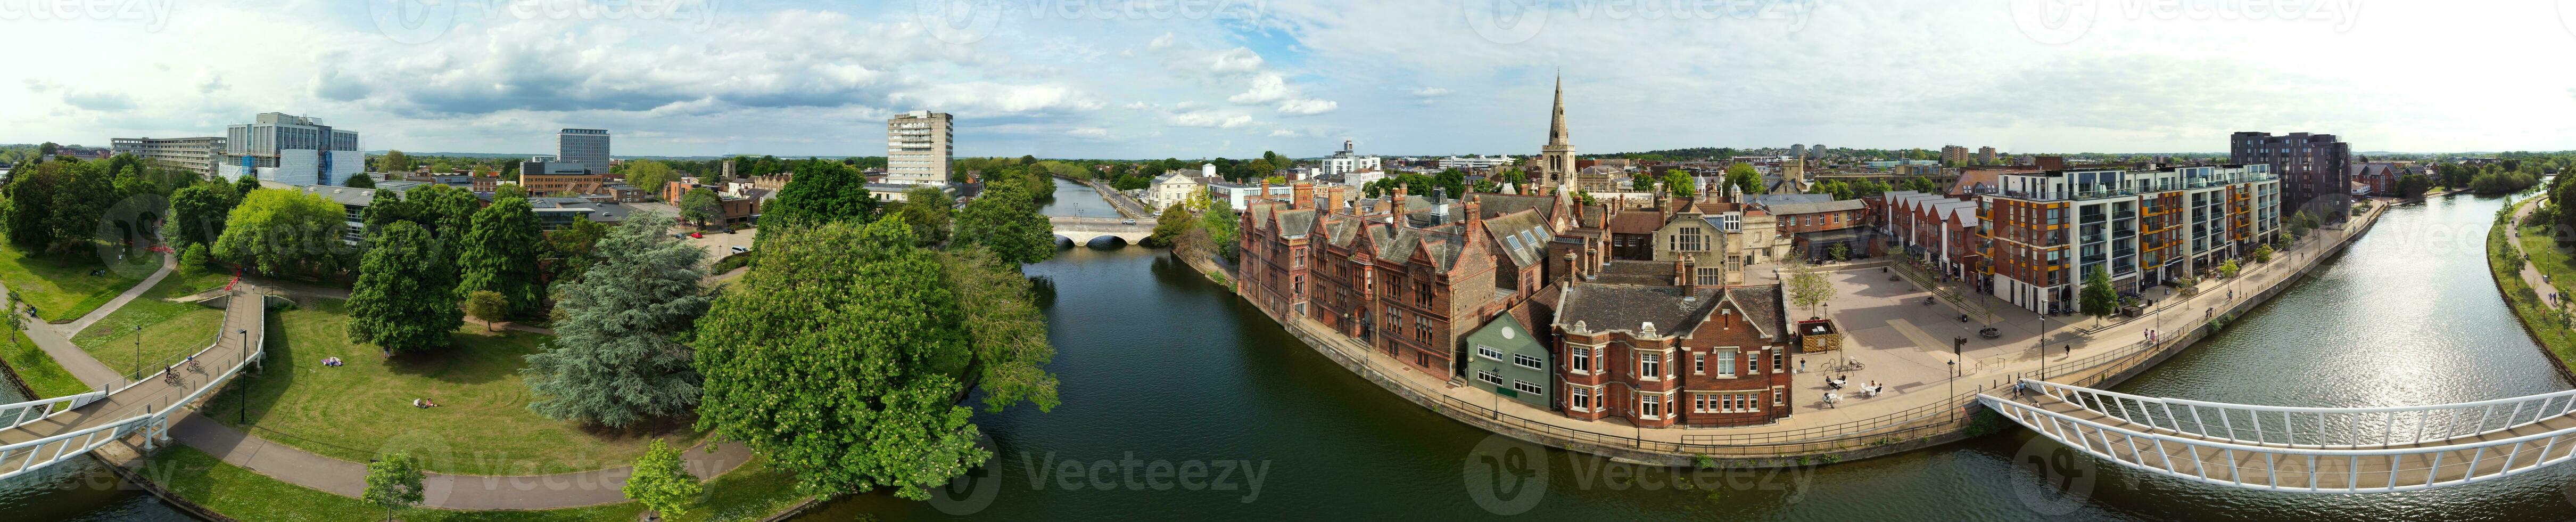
{"points": [[19, 414], [2276, 468], [150, 416], [2314, 427]]}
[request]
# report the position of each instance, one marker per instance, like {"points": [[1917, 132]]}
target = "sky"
{"points": [[1233, 78]]}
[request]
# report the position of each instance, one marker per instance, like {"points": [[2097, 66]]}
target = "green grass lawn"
{"points": [[47, 377], [170, 330], [61, 287], [482, 427], [2549, 326], [750, 492]]}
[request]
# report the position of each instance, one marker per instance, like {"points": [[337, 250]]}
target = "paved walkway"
{"points": [[2531, 276], [169, 263], [1916, 376]]}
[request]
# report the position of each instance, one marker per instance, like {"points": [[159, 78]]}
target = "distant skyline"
{"points": [[1109, 79]]}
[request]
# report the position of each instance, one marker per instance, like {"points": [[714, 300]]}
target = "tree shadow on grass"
{"points": [[265, 387]]}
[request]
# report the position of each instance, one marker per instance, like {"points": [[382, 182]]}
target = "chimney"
{"points": [[1395, 204], [1439, 205], [1302, 191], [1475, 224], [1689, 284], [2052, 163], [1263, 195]]}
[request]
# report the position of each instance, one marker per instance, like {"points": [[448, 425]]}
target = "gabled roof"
{"points": [[1628, 272], [1522, 236], [1811, 208], [1760, 306], [1628, 308]]}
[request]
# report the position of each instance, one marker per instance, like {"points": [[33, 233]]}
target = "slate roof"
{"points": [[1499, 204], [1609, 307], [1637, 273], [1637, 222], [1779, 199], [1811, 208], [1760, 306], [1522, 235], [1293, 223]]}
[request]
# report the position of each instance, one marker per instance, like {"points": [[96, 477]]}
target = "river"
{"points": [[1167, 371]]}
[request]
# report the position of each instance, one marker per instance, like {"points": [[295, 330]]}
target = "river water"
{"points": [[1165, 373]]}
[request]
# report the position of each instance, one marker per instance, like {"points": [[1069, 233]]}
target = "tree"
{"points": [[2227, 269], [398, 303], [1005, 328], [499, 254], [2098, 298], [1680, 184], [1006, 220], [2263, 254], [618, 355], [360, 180], [820, 192], [2412, 185], [1219, 221], [447, 212], [243, 185], [700, 205], [193, 260], [834, 358], [649, 175], [31, 196], [393, 482], [1168, 226], [660, 484], [275, 231], [81, 198], [1745, 180], [487, 306], [928, 209], [199, 211], [570, 250], [1641, 183], [1805, 285], [394, 161], [1839, 252]]}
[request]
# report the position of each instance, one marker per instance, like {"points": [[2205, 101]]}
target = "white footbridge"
{"points": [[39, 433], [2295, 449]]}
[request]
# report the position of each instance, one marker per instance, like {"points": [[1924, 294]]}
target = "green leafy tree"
{"points": [[2263, 254], [928, 209], [1005, 328], [2412, 185], [1745, 180], [2227, 268], [2098, 299], [447, 212], [276, 231], [1641, 183], [1805, 285], [79, 201], [398, 303], [834, 357], [1007, 221], [661, 484], [199, 211], [499, 254], [820, 192], [245, 184], [1680, 184], [649, 175], [487, 306], [394, 161], [571, 250], [1222, 229], [31, 195], [360, 180], [700, 205], [617, 357], [394, 483], [1168, 226]]}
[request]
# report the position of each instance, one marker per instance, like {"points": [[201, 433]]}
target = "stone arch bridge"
{"points": [[1083, 230]]}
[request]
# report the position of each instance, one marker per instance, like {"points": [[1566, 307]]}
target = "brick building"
{"points": [[1661, 356], [2315, 169]]}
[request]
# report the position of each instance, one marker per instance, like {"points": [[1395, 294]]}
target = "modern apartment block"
{"points": [[2047, 231], [918, 146], [291, 150], [195, 154], [1954, 154], [1986, 155], [587, 147], [2315, 168]]}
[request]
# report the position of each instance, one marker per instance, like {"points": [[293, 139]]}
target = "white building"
{"points": [[195, 154], [918, 147], [1477, 161], [2140, 228], [1347, 161], [586, 147], [1239, 195], [1175, 187], [291, 151]]}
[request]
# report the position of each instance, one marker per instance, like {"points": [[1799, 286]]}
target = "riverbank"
{"points": [[2519, 273], [1918, 420]]}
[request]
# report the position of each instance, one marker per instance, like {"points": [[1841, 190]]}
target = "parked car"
{"points": [[739, 250], [695, 235], [1127, 222], [727, 230]]}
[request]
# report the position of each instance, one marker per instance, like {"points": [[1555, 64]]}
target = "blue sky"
{"points": [[1232, 78]]}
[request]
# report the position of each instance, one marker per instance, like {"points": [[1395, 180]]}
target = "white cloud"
{"points": [[991, 98], [1428, 92], [1209, 119], [1265, 89], [1307, 107], [1283, 133], [1089, 132]]}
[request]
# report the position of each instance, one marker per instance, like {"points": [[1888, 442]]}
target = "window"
{"points": [[1489, 352], [1726, 363], [1779, 359], [1650, 365], [1650, 406], [1526, 387], [1526, 361], [1579, 359], [1753, 362], [1578, 399], [1489, 377]]}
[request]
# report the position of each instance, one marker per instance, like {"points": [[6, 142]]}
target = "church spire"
{"points": [[1556, 134]]}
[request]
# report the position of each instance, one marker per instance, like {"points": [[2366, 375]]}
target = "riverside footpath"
{"points": [[1926, 414]]}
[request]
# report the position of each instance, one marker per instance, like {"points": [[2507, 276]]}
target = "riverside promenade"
{"points": [[1922, 411]]}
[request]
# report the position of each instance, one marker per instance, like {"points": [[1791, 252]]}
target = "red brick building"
{"points": [[1661, 356]]}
